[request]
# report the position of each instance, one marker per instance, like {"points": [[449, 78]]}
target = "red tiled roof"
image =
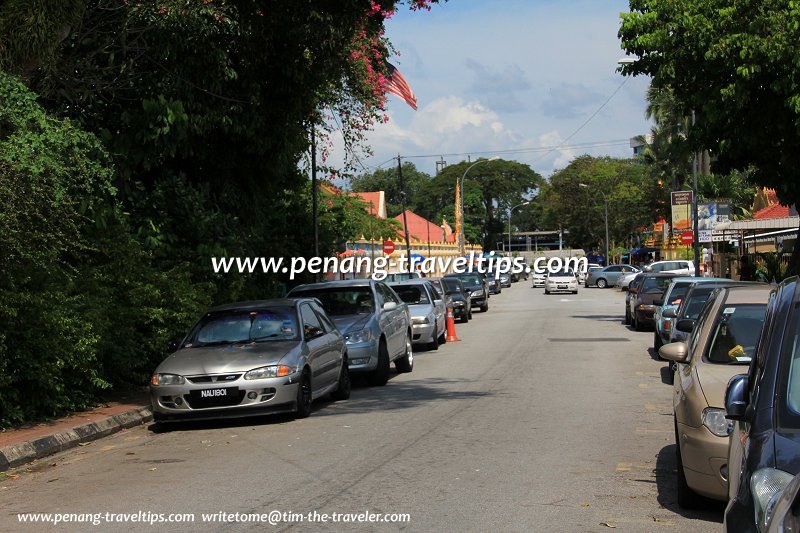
{"points": [[773, 211], [373, 202], [419, 228]]}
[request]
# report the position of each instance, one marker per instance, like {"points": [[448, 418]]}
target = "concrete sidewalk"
{"points": [[25, 444]]}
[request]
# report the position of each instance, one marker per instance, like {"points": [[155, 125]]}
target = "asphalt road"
{"points": [[549, 415]]}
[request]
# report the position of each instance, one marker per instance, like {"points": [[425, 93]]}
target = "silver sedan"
{"points": [[252, 358]]}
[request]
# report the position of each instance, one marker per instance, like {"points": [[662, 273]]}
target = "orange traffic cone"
{"points": [[451, 326]]}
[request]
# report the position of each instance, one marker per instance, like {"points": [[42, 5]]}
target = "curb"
{"points": [[26, 452]]}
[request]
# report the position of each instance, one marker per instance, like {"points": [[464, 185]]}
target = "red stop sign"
{"points": [[388, 247], [687, 237]]}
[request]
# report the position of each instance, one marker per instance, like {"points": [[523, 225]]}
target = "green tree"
{"points": [[388, 180], [634, 201], [734, 62], [490, 189]]}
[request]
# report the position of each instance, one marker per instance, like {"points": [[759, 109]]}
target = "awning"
{"points": [[643, 250], [759, 225]]}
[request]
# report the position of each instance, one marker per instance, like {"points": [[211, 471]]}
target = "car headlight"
{"points": [[458, 303], [167, 379], [477, 293], [766, 486], [361, 335], [420, 320], [714, 419], [272, 371]]}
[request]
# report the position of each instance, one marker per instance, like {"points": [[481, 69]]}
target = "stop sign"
{"points": [[687, 237], [388, 247]]}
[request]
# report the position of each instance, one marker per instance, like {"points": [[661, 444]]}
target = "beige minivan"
{"points": [[719, 347]]}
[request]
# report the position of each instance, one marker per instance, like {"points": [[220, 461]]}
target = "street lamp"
{"points": [[462, 241], [605, 199], [511, 212]]}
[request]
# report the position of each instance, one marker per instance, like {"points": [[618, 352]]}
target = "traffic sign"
{"points": [[388, 247], [687, 237]]}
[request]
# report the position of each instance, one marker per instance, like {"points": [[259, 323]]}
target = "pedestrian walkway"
{"points": [[33, 441]]}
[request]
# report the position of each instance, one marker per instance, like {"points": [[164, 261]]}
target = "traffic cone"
{"points": [[451, 326]]}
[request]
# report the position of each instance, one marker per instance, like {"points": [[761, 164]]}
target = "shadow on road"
{"points": [[667, 375], [666, 483], [602, 318], [365, 398]]}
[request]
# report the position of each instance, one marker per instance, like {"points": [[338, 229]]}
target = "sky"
{"points": [[493, 76]]}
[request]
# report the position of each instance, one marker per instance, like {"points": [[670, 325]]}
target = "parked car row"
{"points": [[734, 349], [279, 355]]}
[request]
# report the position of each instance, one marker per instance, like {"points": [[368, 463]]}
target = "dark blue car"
{"points": [[764, 452]]}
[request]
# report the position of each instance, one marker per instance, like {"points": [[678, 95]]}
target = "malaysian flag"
{"points": [[397, 84]]}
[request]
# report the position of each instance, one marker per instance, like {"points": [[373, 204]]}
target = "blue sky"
{"points": [[493, 75]]}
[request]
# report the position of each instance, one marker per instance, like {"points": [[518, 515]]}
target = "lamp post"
{"points": [[511, 212], [462, 241], [605, 200]]}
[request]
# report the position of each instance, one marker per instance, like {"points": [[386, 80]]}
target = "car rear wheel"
{"points": [[380, 375], [602, 283], [342, 391], [304, 396], [687, 498], [406, 363]]}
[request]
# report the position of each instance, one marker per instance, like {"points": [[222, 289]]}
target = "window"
{"points": [[614, 268], [249, 325], [412, 294], [342, 301], [312, 327], [388, 294], [328, 326], [677, 293], [735, 334]]}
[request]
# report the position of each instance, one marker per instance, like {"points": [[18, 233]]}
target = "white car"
{"points": [[538, 279], [678, 266], [625, 280], [562, 281]]}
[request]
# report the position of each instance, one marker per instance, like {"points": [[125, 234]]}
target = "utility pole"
{"points": [[696, 245], [314, 189], [403, 207]]}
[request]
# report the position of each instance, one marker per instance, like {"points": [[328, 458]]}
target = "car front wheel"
{"points": [[304, 396], [601, 283], [342, 392], [380, 375]]}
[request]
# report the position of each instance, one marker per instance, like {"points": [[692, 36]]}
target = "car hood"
{"points": [[714, 380], [457, 297], [222, 359], [348, 323]]}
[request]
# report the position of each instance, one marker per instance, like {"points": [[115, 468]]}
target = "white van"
{"points": [[678, 266]]}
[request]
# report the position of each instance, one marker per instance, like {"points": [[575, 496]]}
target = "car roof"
{"points": [[420, 281], [754, 294], [335, 284], [256, 304], [658, 274]]}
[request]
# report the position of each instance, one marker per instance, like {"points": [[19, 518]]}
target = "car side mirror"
{"points": [[659, 302], [736, 398], [312, 332], [674, 351], [173, 344], [686, 325], [669, 313], [389, 306]]}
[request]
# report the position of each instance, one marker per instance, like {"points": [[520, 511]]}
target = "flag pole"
{"points": [[403, 206]]}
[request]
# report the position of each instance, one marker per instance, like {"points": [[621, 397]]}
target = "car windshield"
{"points": [[561, 274], [342, 301], [793, 385], [735, 334], [451, 285], [403, 276], [472, 280], [411, 294], [238, 326], [677, 294], [654, 285]]}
